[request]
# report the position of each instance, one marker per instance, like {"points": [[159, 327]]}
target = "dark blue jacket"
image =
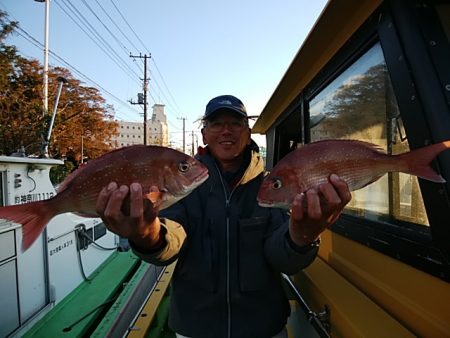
{"points": [[230, 253]]}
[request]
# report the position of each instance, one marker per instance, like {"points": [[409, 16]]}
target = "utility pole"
{"points": [[184, 136], [145, 57], [194, 142], [192, 148]]}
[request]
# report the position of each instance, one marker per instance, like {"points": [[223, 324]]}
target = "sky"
{"points": [[199, 49]]}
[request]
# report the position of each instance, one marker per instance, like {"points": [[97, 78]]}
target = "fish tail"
{"points": [[33, 216], [419, 161]]}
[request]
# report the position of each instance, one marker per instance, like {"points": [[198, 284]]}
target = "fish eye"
{"points": [[183, 166], [277, 184]]}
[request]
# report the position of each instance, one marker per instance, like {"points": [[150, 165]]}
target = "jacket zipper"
{"points": [[227, 213], [227, 206]]}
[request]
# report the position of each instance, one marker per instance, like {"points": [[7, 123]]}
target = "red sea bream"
{"points": [[174, 173], [357, 163]]}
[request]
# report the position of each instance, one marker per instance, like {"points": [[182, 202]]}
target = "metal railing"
{"points": [[319, 321]]}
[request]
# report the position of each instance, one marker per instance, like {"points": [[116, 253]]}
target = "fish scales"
{"points": [[357, 163], [174, 173]]}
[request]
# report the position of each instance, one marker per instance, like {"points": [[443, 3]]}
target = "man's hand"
{"points": [[317, 210], [126, 213]]}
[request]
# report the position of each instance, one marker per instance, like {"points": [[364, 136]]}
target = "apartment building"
{"points": [[133, 132]]}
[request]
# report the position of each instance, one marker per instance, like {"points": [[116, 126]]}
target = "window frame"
{"points": [[425, 248]]}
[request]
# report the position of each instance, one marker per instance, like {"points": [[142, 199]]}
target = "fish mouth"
{"points": [[272, 204], [201, 178], [265, 204], [186, 189]]}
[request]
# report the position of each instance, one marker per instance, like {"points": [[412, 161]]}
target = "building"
{"points": [[133, 132], [157, 131]]}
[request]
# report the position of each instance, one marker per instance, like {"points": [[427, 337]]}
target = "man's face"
{"points": [[227, 134]]}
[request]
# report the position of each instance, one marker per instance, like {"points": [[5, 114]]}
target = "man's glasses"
{"points": [[217, 126]]}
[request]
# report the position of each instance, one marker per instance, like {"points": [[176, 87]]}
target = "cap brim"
{"points": [[222, 108]]}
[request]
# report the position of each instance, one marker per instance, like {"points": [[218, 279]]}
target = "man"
{"points": [[230, 250]]}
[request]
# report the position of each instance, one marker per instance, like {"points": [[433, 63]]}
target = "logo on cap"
{"points": [[225, 102], [228, 102]]}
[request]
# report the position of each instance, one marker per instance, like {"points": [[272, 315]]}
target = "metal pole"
{"points": [[184, 133], [145, 57], [46, 41], [47, 141], [311, 316], [145, 98]]}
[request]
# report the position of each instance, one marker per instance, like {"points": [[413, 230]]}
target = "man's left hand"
{"points": [[317, 209]]}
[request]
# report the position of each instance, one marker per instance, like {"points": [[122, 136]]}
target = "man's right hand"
{"points": [[134, 218]]}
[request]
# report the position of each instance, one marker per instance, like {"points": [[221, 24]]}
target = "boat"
{"points": [[369, 69], [78, 279], [376, 71]]}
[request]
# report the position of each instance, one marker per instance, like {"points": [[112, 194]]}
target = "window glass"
{"points": [[443, 11], [360, 104]]}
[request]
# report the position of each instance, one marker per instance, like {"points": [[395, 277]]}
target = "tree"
{"points": [[83, 119], [18, 94], [358, 105]]}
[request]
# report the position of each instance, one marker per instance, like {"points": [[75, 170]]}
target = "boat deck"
{"points": [[78, 314]]}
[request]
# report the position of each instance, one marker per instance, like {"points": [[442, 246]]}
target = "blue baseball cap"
{"points": [[229, 102]]}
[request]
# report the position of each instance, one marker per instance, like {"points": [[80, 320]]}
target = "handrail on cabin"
{"points": [[319, 321]]}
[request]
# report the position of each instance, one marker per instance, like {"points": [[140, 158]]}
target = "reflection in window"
{"points": [[360, 104]]}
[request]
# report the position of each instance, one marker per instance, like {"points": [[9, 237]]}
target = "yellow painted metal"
{"points": [[373, 295], [353, 314], [142, 325], [339, 20], [370, 294]]}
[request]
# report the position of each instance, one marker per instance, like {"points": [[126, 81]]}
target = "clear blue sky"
{"points": [[200, 49]]}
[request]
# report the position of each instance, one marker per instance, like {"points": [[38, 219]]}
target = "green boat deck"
{"points": [[78, 314]]}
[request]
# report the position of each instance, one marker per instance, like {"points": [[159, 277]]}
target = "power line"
{"points": [[106, 28], [118, 28], [107, 49], [83, 23], [129, 26], [38, 44], [145, 48], [117, 40], [164, 83]]}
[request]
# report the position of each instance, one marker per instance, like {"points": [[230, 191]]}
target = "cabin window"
{"points": [[360, 104]]}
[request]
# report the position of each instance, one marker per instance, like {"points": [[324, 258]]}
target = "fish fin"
{"points": [[419, 160], [33, 217], [154, 196]]}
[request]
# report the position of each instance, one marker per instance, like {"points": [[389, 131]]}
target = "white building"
{"points": [[157, 130], [133, 132]]}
